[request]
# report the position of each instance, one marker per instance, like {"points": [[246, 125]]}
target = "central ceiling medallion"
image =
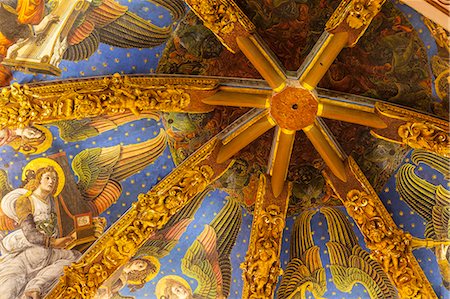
{"points": [[294, 108]]}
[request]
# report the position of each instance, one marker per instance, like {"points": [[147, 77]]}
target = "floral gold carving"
{"points": [[261, 267], [149, 213], [389, 245], [354, 16], [425, 136], [22, 105], [414, 129]]}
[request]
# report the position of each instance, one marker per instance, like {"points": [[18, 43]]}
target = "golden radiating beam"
{"points": [[227, 98], [280, 157], [244, 138], [262, 61], [350, 114], [327, 149], [321, 57]]}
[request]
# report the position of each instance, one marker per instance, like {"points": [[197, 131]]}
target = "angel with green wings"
{"points": [[145, 265], [431, 202], [350, 264], [207, 260], [304, 271]]}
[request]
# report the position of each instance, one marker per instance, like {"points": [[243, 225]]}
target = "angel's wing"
{"points": [[429, 201], [351, 264], [107, 21], [208, 258], [304, 270], [439, 163], [101, 169], [81, 129], [162, 242], [6, 223]]}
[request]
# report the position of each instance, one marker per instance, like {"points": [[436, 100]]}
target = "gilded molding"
{"points": [[222, 17], [149, 213], [389, 245], [261, 267], [418, 130], [353, 16], [21, 105]]}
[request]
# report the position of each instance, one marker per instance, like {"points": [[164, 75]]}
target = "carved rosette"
{"points": [[149, 213], [21, 106], [261, 267], [224, 18], [353, 16], [414, 129]]}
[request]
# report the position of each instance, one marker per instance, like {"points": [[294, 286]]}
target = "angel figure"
{"points": [[29, 141], [304, 271], [33, 256], [431, 202], [145, 265], [350, 263], [207, 259]]}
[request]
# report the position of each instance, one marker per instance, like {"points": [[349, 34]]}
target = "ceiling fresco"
{"points": [[65, 183]]}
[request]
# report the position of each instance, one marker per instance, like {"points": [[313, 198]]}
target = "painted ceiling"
{"points": [[398, 60]]}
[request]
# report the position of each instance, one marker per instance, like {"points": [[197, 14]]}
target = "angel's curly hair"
{"points": [[33, 178]]}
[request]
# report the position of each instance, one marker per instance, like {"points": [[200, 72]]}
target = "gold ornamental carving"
{"points": [[388, 244], [21, 105], [353, 16], [261, 267], [425, 136], [149, 213], [224, 18], [414, 129]]}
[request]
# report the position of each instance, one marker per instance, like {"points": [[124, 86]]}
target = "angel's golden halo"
{"points": [[39, 163]]}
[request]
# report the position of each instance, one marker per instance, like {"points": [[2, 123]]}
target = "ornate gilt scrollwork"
{"points": [[224, 19], [389, 245], [149, 213], [21, 105], [414, 129], [354, 16], [261, 267]]}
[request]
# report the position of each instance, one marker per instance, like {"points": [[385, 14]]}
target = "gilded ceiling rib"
{"points": [[150, 213], [388, 244]]}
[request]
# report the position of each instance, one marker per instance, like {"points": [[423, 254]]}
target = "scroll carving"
{"points": [[425, 136], [389, 245], [354, 16], [262, 266], [150, 212], [22, 105]]}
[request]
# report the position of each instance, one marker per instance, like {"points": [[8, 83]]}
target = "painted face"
{"points": [[180, 292], [31, 133], [137, 265], [48, 182]]}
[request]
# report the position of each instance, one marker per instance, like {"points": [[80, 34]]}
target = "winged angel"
{"points": [[23, 23], [350, 264], [432, 202], [29, 212]]}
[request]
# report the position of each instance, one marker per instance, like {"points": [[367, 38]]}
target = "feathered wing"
{"points": [[101, 169], [304, 270], [208, 258], [162, 242], [6, 223], [106, 21], [81, 129], [439, 163], [429, 201], [351, 264]]}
